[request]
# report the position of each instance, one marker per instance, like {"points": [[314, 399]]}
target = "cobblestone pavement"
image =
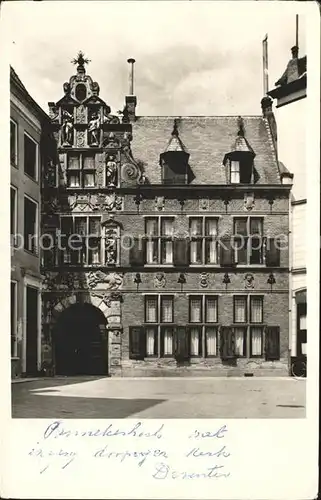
{"points": [[159, 398]]}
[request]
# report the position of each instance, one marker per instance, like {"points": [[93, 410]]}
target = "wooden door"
{"points": [[181, 343]]}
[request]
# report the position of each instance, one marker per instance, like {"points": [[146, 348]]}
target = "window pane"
{"points": [[13, 194], [73, 162], [168, 341], [88, 161], [303, 322], [167, 227], [239, 309], [255, 245], [81, 226], [167, 252], [89, 180], [240, 247], [256, 342], [66, 225], [239, 341], [167, 310], [151, 251], [195, 341], [13, 142], [196, 226], [30, 225], [240, 226], [211, 341], [94, 226], [195, 309], [211, 227], [235, 172], [151, 227], [256, 309], [94, 250], [211, 310], [151, 341], [30, 156], [256, 226], [211, 251], [151, 309], [196, 252], [74, 180]]}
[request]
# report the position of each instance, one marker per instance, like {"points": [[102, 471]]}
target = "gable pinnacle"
{"points": [[81, 60]]}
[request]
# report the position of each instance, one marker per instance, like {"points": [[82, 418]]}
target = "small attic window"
{"points": [[241, 172], [81, 92]]}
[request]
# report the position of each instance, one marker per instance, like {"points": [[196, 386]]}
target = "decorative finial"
{"points": [[240, 124], [175, 130], [81, 60]]}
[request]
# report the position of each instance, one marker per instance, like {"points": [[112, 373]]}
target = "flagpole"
{"points": [[265, 65], [297, 30]]}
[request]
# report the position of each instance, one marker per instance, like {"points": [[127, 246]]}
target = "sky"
{"points": [[192, 58]]}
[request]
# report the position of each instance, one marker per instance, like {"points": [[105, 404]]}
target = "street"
{"points": [[89, 397]]}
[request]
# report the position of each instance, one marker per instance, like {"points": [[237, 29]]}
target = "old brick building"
{"points": [[179, 261]]}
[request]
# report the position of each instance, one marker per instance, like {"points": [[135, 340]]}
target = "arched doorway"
{"points": [[80, 341]]}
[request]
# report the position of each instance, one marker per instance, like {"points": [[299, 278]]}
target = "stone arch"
{"points": [[70, 300]]}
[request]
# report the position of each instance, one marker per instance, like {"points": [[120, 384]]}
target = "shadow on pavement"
{"points": [[33, 406]]}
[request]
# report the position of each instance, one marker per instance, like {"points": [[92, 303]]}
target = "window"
{"points": [[249, 311], [80, 240], [30, 225], [159, 240], [159, 331], [13, 214], [13, 142], [81, 171], [248, 240], [81, 92], [241, 171], [204, 244], [202, 312], [30, 157], [13, 303]]}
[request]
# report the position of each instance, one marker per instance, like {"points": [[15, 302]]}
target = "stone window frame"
{"points": [[203, 238], [81, 171], [248, 236], [159, 238], [158, 325], [204, 325], [248, 325]]}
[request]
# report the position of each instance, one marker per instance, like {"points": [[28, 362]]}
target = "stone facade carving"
{"points": [[108, 202], [110, 281], [249, 281], [204, 204], [130, 172], [67, 129], [249, 201], [94, 130], [204, 280], [111, 170], [80, 138], [159, 280], [111, 245], [81, 114], [159, 203], [111, 141]]}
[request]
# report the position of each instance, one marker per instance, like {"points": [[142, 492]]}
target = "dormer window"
{"points": [[174, 161], [239, 162], [81, 92]]}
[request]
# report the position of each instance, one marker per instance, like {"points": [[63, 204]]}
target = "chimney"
{"points": [[266, 104], [131, 99]]}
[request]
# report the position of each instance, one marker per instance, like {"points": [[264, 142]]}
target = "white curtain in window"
{"points": [[167, 230], [211, 230], [151, 310], [239, 341], [211, 310], [303, 322], [95, 253], [195, 257], [151, 227], [167, 311], [67, 256], [89, 180], [256, 310], [196, 227], [235, 172], [240, 309], [196, 309], [168, 257], [168, 341], [194, 342], [151, 255], [150, 341], [211, 341], [74, 181], [256, 338]]}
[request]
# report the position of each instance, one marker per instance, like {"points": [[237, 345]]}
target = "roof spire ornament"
{"points": [[175, 129], [81, 60], [240, 124]]}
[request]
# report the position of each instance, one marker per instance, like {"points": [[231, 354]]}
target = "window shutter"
{"points": [[272, 343], [137, 344], [272, 253], [137, 253], [226, 252], [227, 342], [181, 252], [181, 343]]}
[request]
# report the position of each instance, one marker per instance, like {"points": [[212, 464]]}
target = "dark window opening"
{"points": [[81, 92], [30, 157], [30, 225]]}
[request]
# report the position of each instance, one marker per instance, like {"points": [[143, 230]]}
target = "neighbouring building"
{"points": [[170, 253], [291, 97], [28, 150]]}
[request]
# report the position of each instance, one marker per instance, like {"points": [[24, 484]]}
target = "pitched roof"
{"points": [[208, 139], [16, 83]]}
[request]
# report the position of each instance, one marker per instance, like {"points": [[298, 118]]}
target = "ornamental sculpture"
{"points": [[111, 171], [67, 129], [111, 246], [99, 279], [94, 130]]}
